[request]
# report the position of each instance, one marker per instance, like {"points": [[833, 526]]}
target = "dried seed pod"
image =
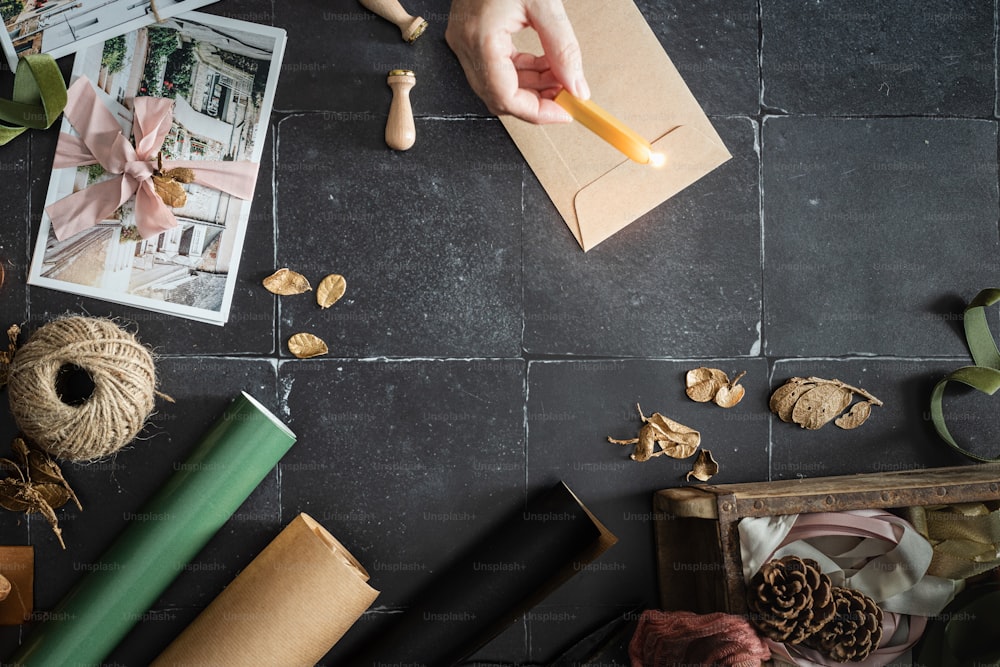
{"points": [[819, 405], [812, 402], [731, 393], [286, 282], [702, 383], [854, 418], [674, 439], [711, 384], [170, 191], [784, 397], [4, 587], [705, 467], [330, 289], [306, 345]]}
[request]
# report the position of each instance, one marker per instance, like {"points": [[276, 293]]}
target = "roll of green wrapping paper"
{"points": [[170, 529]]}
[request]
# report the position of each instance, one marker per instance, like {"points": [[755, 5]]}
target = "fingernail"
{"points": [[582, 89]]}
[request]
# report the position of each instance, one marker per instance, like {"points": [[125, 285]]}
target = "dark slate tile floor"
{"points": [[479, 355]]}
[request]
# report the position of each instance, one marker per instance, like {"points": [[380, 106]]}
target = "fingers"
{"points": [[562, 50], [519, 84]]}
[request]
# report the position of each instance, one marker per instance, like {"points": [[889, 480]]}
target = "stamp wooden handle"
{"points": [[400, 133], [410, 27]]}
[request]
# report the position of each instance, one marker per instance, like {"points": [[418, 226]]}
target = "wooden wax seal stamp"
{"points": [[410, 27], [400, 132]]}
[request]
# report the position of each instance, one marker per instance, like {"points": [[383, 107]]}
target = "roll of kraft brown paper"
{"points": [[289, 607], [484, 590]]}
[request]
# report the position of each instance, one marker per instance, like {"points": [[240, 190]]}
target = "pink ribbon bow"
{"points": [[101, 142]]}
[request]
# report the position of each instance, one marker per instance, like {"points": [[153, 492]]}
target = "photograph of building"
{"points": [[60, 27], [220, 113]]}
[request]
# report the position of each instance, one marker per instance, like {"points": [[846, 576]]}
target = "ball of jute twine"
{"points": [[124, 379]]}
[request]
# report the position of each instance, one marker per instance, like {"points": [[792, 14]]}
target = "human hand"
{"points": [[509, 82]]}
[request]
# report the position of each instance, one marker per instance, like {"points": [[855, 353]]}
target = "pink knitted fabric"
{"points": [[671, 638]]}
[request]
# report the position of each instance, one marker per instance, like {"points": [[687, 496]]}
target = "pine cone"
{"points": [[790, 599], [854, 631]]}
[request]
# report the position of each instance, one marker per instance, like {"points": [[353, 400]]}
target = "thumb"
{"points": [[562, 50]]}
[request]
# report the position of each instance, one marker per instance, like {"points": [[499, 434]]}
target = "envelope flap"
{"points": [[600, 208]]}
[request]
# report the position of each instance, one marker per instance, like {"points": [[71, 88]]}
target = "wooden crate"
{"points": [[697, 540]]}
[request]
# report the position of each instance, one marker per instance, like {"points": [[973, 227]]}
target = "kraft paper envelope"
{"points": [[597, 190]]}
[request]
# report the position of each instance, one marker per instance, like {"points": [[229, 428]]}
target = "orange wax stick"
{"points": [[609, 128]]}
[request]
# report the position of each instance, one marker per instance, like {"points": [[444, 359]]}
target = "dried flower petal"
{"points": [[330, 290], [704, 468], [286, 282], [855, 417], [731, 393], [702, 383], [306, 345], [819, 405], [170, 191]]}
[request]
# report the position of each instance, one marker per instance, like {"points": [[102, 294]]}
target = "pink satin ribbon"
{"points": [[101, 141]]}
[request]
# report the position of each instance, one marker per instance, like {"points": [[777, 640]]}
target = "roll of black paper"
{"points": [[492, 584]]}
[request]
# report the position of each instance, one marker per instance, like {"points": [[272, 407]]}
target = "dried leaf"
{"points": [[4, 587], [54, 495], [43, 471], [12, 496], [170, 191], [856, 416], [704, 468], [286, 282], [673, 439], [38, 488], [784, 397], [330, 290], [702, 383], [181, 174], [730, 394], [819, 405], [306, 345]]}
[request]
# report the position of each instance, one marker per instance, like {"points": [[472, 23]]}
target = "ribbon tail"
{"points": [[72, 151], [84, 209], [152, 216], [238, 179]]}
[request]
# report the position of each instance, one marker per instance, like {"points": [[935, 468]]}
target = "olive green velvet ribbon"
{"points": [[984, 376], [38, 99]]}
